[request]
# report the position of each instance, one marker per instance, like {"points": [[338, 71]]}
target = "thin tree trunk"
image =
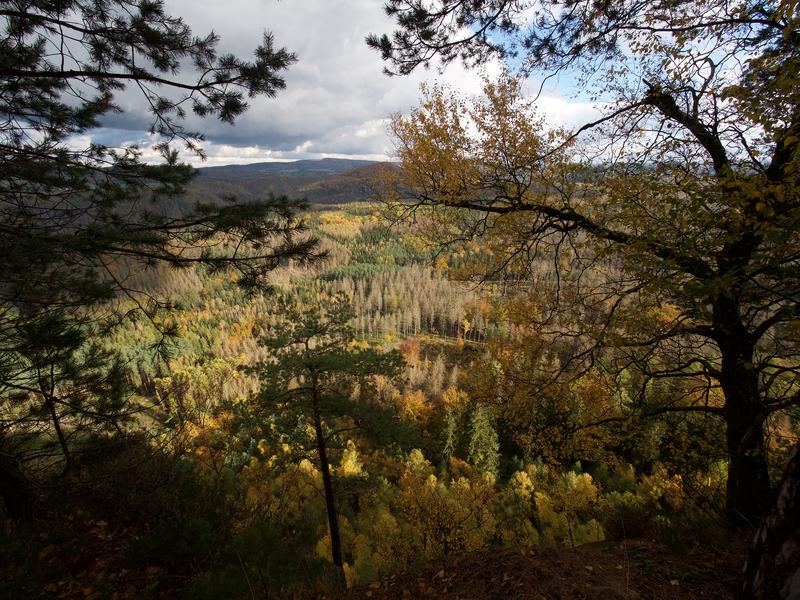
{"points": [[48, 392], [62, 440], [330, 503], [773, 567]]}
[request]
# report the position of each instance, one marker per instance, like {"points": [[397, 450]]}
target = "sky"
{"points": [[337, 100]]}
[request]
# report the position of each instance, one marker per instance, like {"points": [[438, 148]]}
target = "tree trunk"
{"points": [[748, 489], [62, 440], [330, 503], [47, 387], [773, 567]]}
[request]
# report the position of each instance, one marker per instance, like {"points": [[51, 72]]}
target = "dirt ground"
{"points": [[624, 571]]}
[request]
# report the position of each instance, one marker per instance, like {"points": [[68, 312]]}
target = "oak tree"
{"points": [[671, 221]]}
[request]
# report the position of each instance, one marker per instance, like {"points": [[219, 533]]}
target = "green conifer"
{"points": [[484, 445]]}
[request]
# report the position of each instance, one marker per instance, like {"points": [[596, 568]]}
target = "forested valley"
{"points": [[205, 478], [509, 363]]}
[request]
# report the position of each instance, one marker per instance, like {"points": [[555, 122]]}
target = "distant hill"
{"points": [[357, 184], [329, 180]]}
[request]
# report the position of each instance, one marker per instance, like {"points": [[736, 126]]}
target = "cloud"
{"points": [[337, 100]]}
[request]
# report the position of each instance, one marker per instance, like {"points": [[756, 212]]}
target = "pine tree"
{"points": [[314, 376], [69, 213], [76, 221], [451, 437], [484, 445]]}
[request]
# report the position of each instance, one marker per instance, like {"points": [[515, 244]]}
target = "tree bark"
{"points": [[62, 440], [773, 567], [748, 488], [47, 387], [330, 501]]}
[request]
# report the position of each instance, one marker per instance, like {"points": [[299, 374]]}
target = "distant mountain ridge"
{"points": [[328, 180], [323, 165], [360, 183]]}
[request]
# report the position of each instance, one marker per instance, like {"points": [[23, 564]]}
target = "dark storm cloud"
{"points": [[336, 101]]}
